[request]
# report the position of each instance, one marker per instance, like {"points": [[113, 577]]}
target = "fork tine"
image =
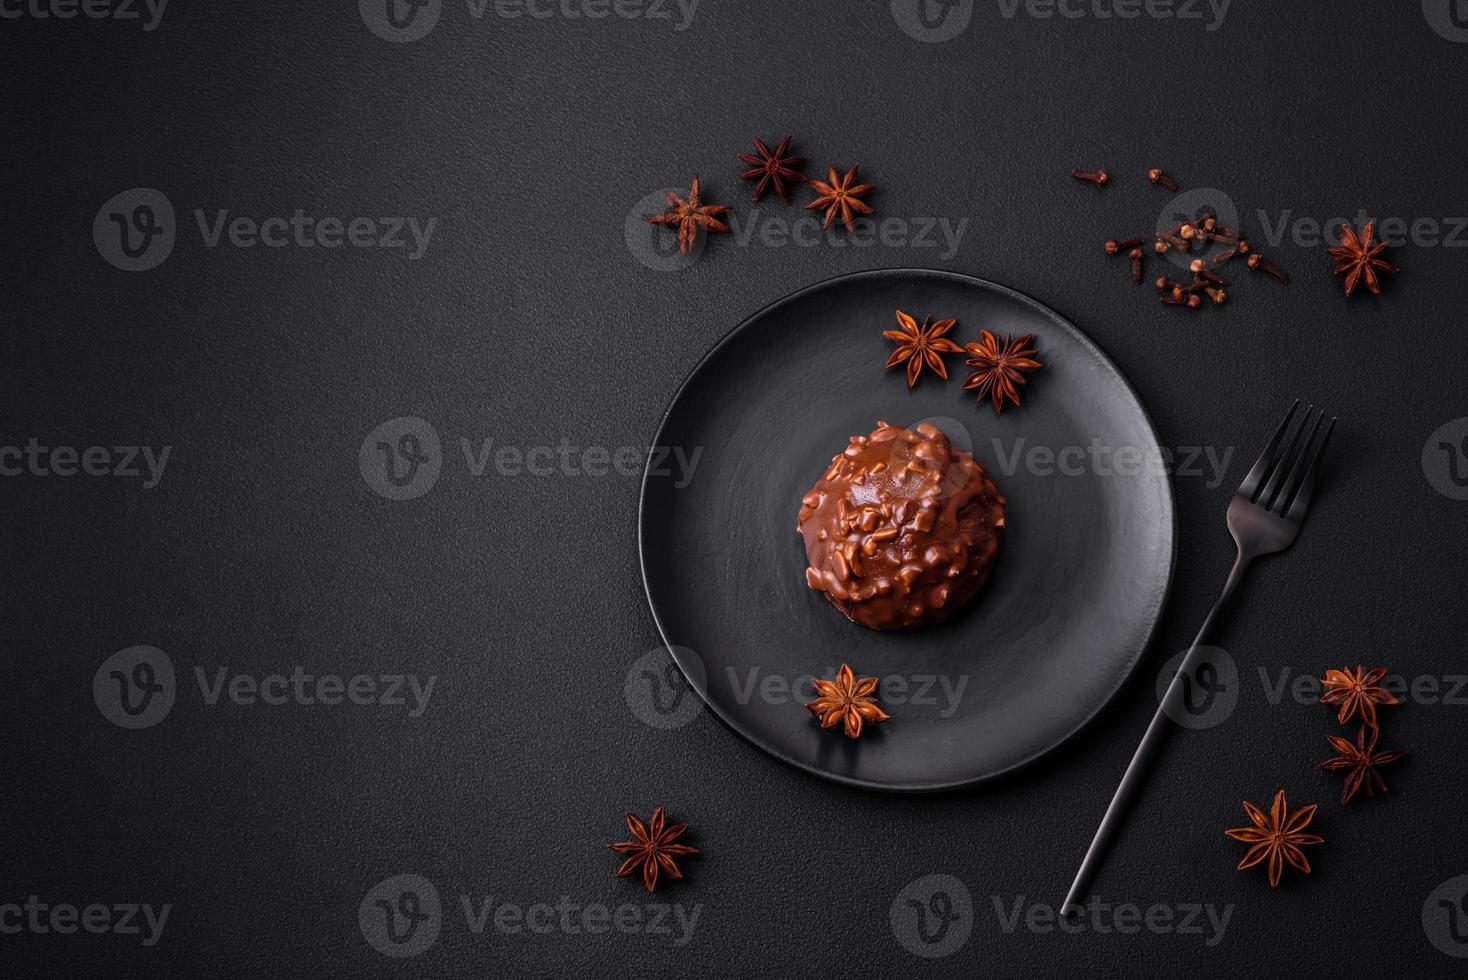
{"points": [[1286, 459], [1266, 458], [1297, 470], [1301, 501]]}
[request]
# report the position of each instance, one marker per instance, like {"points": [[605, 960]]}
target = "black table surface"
{"points": [[532, 131]]}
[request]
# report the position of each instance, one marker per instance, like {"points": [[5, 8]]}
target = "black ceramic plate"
{"points": [[1080, 580]]}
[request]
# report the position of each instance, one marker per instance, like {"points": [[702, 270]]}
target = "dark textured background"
{"points": [[530, 320]]}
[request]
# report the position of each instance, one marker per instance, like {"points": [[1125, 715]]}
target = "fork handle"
{"points": [[1152, 742]]}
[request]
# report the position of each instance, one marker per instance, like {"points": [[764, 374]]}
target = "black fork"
{"points": [[1264, 517]]}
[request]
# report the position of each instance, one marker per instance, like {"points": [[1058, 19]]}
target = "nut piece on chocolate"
{"points": [[902, 530]]}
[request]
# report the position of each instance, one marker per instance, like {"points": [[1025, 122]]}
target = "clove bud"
{"points": [[1261, 264], [1159, 177]]}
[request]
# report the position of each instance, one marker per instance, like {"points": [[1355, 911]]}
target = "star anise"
{"points": [[1357, 692], [1277, 837], [689, 216], [1360, 761], [921, 345], [772, 169], [1358, 257], [653, 849], [840, 197], [1000, 368], [846, 701]]}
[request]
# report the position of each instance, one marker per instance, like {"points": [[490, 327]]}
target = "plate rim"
{"points": [[852, 781]]}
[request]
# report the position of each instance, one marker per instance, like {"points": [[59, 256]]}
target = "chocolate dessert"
{"points": [[902, 530]]}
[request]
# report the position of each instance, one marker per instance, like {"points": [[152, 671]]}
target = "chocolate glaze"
{"points": [[902, 530]]}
